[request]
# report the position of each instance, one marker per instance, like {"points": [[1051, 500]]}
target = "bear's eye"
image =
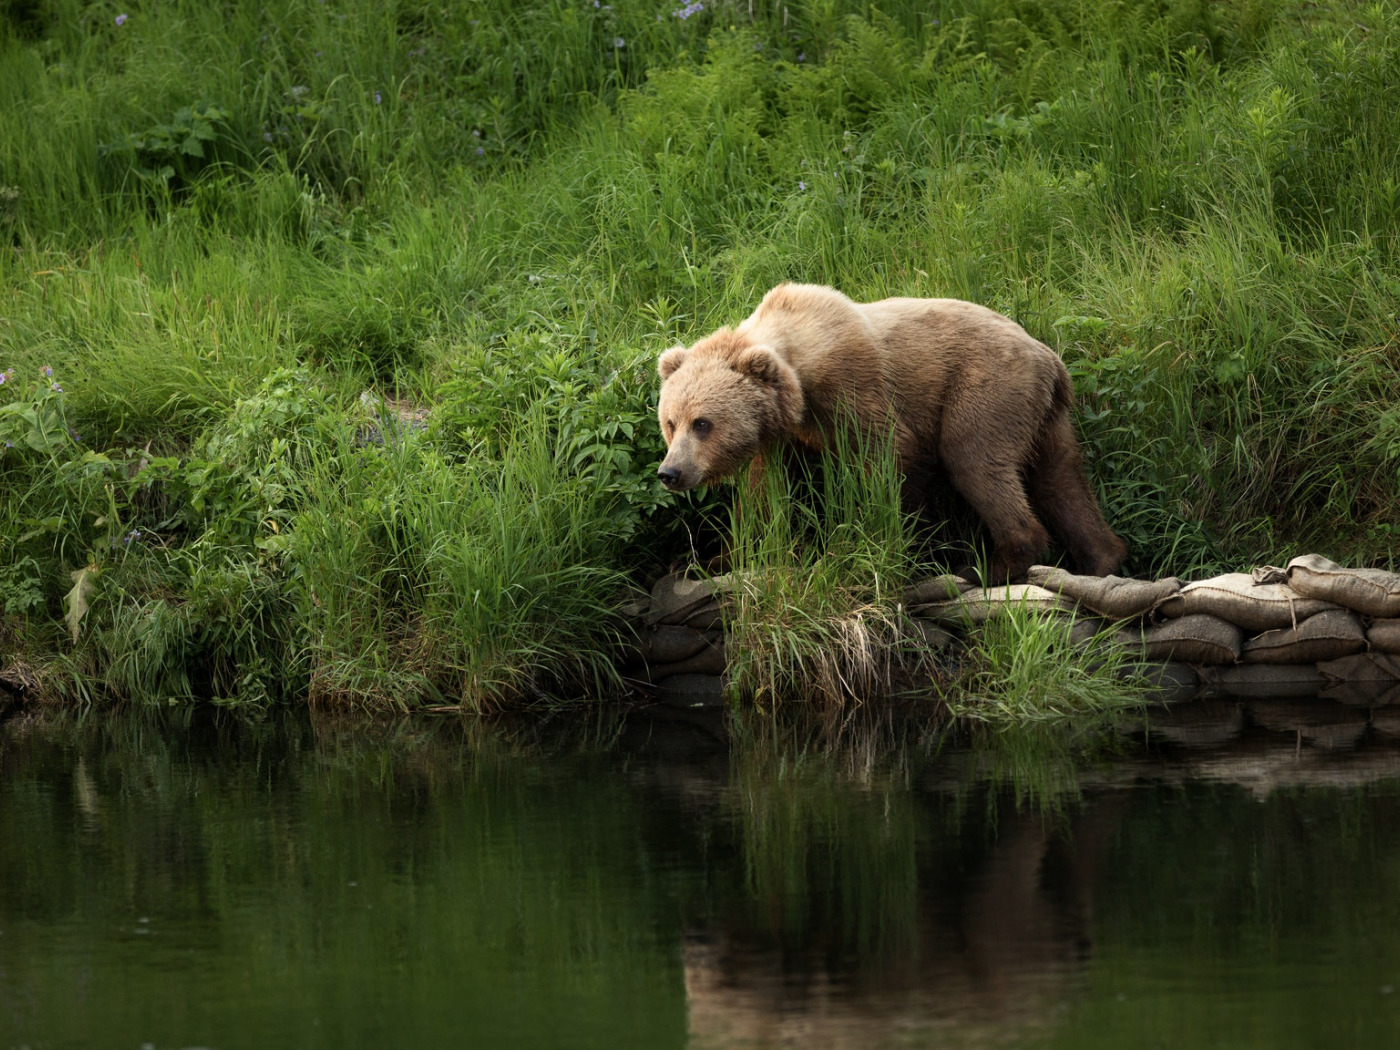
{"points": [[670, 427], [702, 426]]}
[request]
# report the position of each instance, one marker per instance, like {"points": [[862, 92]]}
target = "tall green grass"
{"points": [[820, 556], [1024, 668], [479, 208], [418, 576]]}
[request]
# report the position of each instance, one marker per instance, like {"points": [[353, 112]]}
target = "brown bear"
{"points": [[964, 390]]}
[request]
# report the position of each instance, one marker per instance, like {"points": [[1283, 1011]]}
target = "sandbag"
{"points": [[982, 603], [1172, 682], [936, 589], [676, 599], [1362, 667], [1373, 592], [1384, 636], [1328, 635], [1362, 692], [709, 617], [1263, 681], [1237, 598], [1089, 631], [665, 644], [1111, 596], [935, 637], [708, 661], [1196, 638]]}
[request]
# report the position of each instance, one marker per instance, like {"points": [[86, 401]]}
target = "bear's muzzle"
{"points": [[672, 478]]}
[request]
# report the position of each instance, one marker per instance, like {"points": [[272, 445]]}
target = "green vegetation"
{"points": [[820, 556], [1024, 667], [254, 243]]}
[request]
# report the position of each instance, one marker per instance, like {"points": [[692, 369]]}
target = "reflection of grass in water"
{"points": [[469, 837], [1039, 763], [829, 828]]}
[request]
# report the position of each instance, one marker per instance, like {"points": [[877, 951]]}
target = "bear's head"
{"points": [[722, 401]]}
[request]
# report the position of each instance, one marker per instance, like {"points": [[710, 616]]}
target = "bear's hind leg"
{"points": [[1060, 492]]}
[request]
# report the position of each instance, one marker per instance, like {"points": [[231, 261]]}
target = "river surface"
{"points": [[1218, 878]]}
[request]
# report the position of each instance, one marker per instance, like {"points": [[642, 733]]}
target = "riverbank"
{"points": [[328, 330]]}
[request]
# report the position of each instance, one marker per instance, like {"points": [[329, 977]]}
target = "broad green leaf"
{"points": [[76, 601]]}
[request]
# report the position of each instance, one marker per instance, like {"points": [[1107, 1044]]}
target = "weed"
{"points": [[1024, 667], [821, 554]]}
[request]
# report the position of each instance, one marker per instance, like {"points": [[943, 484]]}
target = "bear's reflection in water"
{"points": [[854, 899], [995, 952]]}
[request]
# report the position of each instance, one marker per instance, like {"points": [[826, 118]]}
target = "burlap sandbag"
{"points": [[675, 599], [1363, 667], [1384, 636], [1263, 681], [1172, 682], [1195, 639], [1359, 693], [665, 644], [1111, 596], [709, 660], [1329, 635], [982, 603], [1098, 632], [936, 589], [1373, 592], [1237, 598]]}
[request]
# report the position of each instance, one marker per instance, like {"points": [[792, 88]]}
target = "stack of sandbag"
{"points": [[677, 630], [1309, 628]]}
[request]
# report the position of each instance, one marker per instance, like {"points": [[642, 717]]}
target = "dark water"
{"points": [[1231, 879]]}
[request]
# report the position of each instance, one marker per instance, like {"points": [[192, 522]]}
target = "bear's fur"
{"points": [[965, 391]]}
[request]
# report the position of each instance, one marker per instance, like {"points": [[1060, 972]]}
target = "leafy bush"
{"points": [[173, 154]]}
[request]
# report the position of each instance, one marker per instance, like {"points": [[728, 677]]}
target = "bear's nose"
{"points": [[670, 476]]}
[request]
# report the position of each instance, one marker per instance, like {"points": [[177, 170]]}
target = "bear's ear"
{"points": [[670, 361], [779, 378], [761, 364]]}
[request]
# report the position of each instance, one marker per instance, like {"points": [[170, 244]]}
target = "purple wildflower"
{"points": [[56, 388], [802, 186], [618, 42], [694, 7], [121, 19], [378, 98], [134, 534], [47, 372], [479, 151]]}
